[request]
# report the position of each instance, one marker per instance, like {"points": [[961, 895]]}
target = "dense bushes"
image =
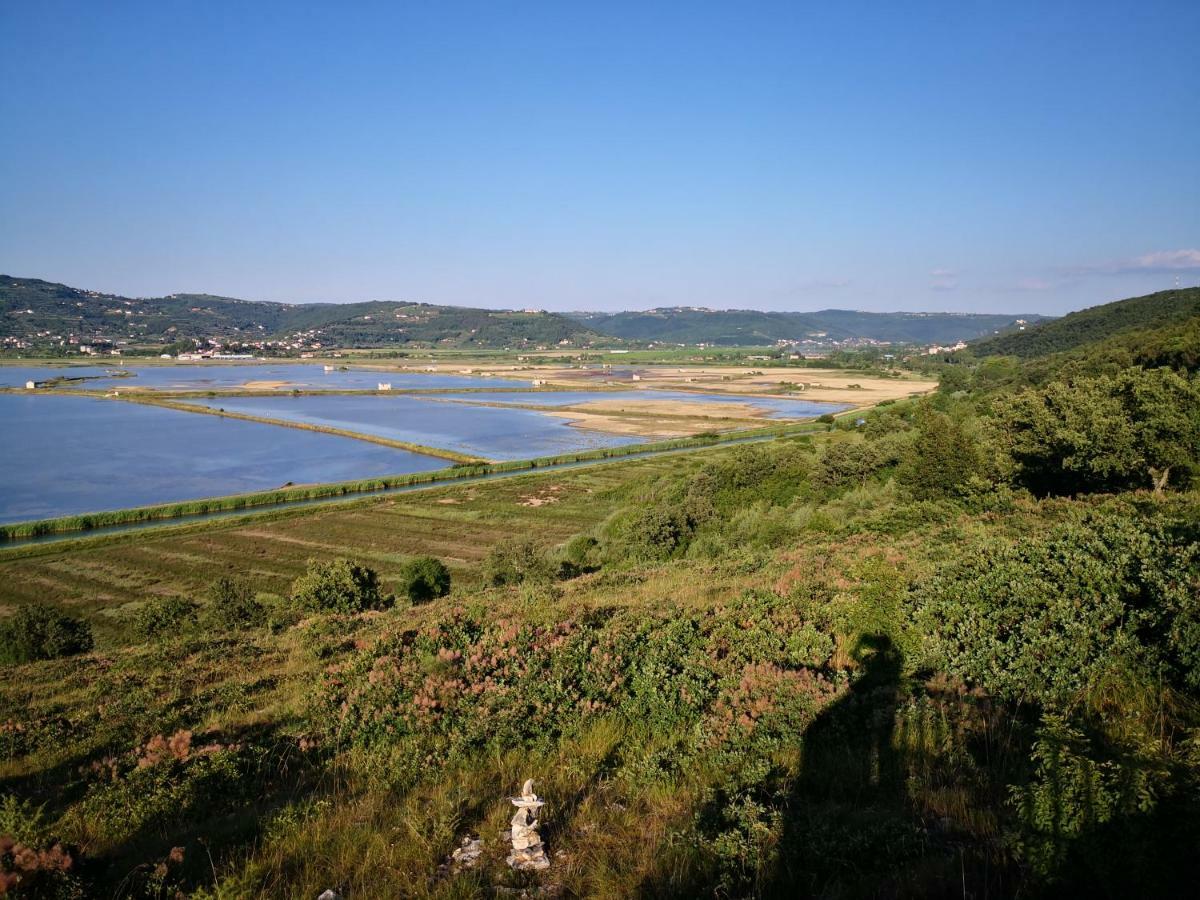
{"points": [[158, 617], [337, 586], [942, 459], [232, 605], [582, 554], [38, 631], [1139, 429], [1047, 619], [847, 462], [516, 561], [423, 579], [463, 682]]}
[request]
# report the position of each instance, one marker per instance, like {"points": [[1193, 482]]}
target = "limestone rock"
{"points": [[468, 854], [528, 851]]}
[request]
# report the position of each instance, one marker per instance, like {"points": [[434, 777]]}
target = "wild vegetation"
{"points": [[1094, 327], [948, 647]]}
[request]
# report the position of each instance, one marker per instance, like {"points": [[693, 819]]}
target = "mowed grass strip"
{"points": [[458, 523]]}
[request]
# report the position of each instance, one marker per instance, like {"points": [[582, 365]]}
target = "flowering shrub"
{"points": [[164, 783], [462, 683], [33, 872]]}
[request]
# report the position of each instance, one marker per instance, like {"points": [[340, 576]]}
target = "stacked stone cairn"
{"points": [[528, 851]]}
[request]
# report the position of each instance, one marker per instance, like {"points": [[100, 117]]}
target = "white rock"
{"points": [[527, 849]]}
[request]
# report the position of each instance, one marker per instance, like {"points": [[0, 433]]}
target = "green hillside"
{"points": [[44, 313], [1096, 324]]}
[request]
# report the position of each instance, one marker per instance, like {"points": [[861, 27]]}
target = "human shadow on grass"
{"points": [[846, 819]]}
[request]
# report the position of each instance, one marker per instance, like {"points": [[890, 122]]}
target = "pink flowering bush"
{"points": [[462, 683]]}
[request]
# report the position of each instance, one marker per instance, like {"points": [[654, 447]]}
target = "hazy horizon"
{"points": [[484, 305], [1015, 159]]}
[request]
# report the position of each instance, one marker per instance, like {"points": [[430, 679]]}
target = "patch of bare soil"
{"points": [[550, 494]]}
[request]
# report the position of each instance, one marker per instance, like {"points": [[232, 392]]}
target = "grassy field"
{"points": [[732, 693], [458, 524]]}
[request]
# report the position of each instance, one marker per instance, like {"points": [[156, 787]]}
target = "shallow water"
{"points": [[492, 432], [225, 376], [773, 407], [64, 455], [16, 376]]}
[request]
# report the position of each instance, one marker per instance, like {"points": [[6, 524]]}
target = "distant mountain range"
{"points": [[691, 325], [35, 313], [39, 311]]}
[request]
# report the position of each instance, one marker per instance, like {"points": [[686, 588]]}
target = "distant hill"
{"points": [[689, 325], [47, 314], [43, 313], [1138, 320]]}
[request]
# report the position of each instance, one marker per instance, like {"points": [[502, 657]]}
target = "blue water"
{"points": [[66, 455], [218, 376], [492, 432], [774, 407], [16, 376]]}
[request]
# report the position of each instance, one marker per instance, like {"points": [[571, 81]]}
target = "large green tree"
{"points": [[1140, 428], [943, 457]]}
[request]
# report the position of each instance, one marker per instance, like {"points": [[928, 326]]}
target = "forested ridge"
{"points": [[1139, 320], [42, 313]]}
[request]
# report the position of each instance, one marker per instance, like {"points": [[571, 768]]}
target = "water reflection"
{"points": [[65, 455]]}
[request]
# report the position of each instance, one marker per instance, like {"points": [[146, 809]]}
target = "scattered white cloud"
{"points": [[1186, 260], [943, 279], [1167, 260]]}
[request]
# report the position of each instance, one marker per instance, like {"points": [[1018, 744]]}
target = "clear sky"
{"points": [[1003, 156]]}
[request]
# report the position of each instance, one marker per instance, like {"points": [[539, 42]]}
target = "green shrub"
{"points": [[158, 617], [847, 462], [516, 561], [233, 605], [424, 578], [337, 586], [1139, 429], [580, 556], [38, 631], [942, 459], [1047, 618], [22, 821], [657, 532]]}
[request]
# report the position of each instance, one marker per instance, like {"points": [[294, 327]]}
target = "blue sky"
{"points": [[1008, 157]]}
